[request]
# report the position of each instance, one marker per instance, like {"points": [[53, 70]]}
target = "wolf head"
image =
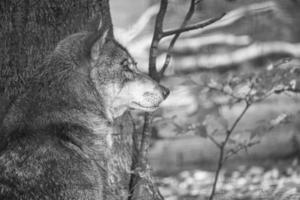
{"points": [[115, 75]]}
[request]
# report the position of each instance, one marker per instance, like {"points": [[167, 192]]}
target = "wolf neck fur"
{"points": [[89, 113]]}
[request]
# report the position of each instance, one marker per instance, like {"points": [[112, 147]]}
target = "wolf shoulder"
{"points": [[47, 167]]}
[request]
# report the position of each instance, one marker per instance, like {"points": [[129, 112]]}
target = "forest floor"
{"points": [[279, 180]]}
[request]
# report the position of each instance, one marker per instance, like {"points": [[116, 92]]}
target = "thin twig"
{"points": [[235, 15], [158, 29], [177, 34], [229, 132], [222, 149], [214, 141], [193, 27], [239, 148], [157, 36], [146, 132]]}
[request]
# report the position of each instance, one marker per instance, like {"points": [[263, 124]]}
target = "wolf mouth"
{"points": [[148, 108]]}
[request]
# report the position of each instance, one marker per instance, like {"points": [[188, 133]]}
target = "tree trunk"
{"points": [[29, 30]]}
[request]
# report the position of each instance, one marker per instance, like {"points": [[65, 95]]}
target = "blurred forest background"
{"points": [[249, 56], [233, 82]]}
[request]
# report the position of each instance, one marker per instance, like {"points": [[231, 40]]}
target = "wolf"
{"points": [[56, 140]]}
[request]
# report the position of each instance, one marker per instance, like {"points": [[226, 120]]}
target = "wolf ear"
{"points": [[98, 34], [97, 46]]}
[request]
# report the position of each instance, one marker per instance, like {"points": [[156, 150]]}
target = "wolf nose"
{"points": [[165, 91]]}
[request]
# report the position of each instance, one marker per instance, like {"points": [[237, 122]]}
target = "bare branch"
{"points": [[235, 15], [171, 45], [211, 138], [229, 132], [137, 47], [193, 27], [146, 134], [158, 29]]}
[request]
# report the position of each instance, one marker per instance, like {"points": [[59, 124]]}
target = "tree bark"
{"points": [[29, 30]]}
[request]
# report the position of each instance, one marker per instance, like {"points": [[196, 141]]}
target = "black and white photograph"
{"points": [[149, 99]]}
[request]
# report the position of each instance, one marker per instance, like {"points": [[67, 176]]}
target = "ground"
{"points": [[277, 180]]}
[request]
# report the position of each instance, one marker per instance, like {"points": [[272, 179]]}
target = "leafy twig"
{"points": [[223, 146], [239, 148]]}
